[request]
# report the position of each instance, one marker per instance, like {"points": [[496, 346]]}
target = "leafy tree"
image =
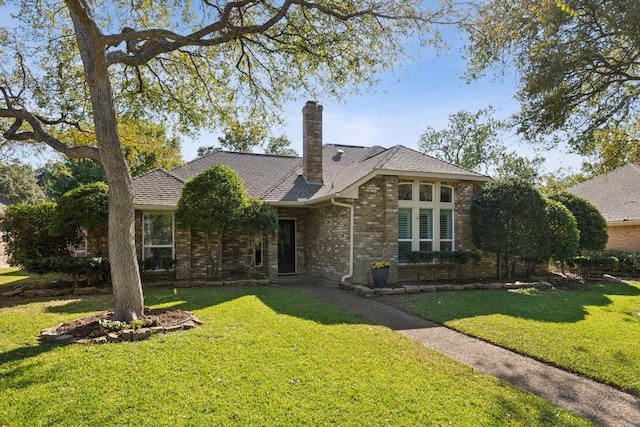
{"points": [[512, 165], [205, 151], [471, 140], [67, 66], [215, 199], [558, 181], [577, 61], [57, 178], [18, 184], [82, 210], [565, 236], [509, 219], [280, 146], [591, 223], [26, 232], [612, 148]]}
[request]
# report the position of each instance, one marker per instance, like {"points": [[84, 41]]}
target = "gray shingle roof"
{"points": [[615, 194], [280, 179]]}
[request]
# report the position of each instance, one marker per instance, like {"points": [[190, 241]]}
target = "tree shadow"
{"points": [[282, 301], [565, 306]]}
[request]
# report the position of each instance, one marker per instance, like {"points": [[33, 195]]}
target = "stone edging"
{"points": [[51, 335], [415, 289]]}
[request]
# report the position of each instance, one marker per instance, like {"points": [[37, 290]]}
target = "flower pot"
{"points": [[380, 277]]}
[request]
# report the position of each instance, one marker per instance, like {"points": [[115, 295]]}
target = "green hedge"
{"points": [[615, 262], [97, 268], [457, 258]]}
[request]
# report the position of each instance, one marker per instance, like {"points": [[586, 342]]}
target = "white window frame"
{"points": [[435, 206], [152, 246]]}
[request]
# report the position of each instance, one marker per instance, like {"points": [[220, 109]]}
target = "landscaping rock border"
{"points": [[366, 291], [55, 336]]}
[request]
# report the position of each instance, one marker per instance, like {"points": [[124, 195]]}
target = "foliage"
{"points": [[26, 232], [280, 146], [85, 207], [258, 217], [565, 236], [512, 165], [593, 331], [588, 264], [211, 200], [577, 67], [113, 325], [591, 223], [612, 148], [57, 178], [271, 345], [509, 219], [85, 66], [470, 140], [93, 268], [18, 184], [457, 257]]}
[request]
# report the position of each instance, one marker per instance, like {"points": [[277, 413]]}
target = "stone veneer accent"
{"points": [[624, 237]]}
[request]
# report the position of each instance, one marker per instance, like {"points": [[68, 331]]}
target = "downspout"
{"points": [[351, 233]]}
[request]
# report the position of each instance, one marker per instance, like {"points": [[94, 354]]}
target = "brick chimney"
{"points": [[312, 142]]}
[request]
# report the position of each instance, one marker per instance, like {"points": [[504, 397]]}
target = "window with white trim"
{"points": [[157, 239], [425, 217]]}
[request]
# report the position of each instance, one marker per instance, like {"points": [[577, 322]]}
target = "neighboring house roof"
{"points": [[615, 194], [280, 180]]}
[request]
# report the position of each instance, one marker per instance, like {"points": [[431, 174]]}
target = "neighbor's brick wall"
{"points": [[624, 238]]}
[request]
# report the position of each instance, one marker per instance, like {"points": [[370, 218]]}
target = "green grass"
{"points": [[595, 332], [264, 357], [12, 276]]}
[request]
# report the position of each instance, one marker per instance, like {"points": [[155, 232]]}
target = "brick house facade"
{"points": [[318, 198]]}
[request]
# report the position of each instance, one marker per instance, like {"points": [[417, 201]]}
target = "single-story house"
{"points": [[617, 196], [4, 258], [340, 209]]}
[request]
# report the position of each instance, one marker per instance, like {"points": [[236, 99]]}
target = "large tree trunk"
{"points": [[127, 288]]}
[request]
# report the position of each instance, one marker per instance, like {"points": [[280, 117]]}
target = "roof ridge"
{"points": [[440, 160]]}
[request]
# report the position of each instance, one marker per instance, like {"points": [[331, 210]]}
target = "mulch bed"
{"points": [[87, 329]]}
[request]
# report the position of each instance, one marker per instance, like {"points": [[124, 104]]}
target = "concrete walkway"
{"points": [[582, 396]]}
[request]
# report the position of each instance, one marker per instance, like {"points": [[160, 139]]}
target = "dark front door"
{"points": [[286, 246]]}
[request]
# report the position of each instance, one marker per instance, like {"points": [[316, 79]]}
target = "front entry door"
{"points": [[286, 246]]}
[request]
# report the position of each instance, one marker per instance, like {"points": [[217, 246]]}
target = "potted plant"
{"points": [[380, 273]]}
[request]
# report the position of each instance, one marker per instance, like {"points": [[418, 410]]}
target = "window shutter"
{"points": [[404, 224], [426, 224]]}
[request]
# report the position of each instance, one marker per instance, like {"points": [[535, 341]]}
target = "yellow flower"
{"points": [[381, 264]]}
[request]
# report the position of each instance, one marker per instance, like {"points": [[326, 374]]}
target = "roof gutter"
{"points": [[351, 234]]}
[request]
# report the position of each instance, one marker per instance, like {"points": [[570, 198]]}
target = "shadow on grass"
{"points": [[282, 301], [541, 305]]}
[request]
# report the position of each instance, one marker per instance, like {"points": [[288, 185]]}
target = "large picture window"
{"points": [[157, 240], [425, 217]]}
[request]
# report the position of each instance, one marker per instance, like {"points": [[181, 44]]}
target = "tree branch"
{"points": [[40, 135]]}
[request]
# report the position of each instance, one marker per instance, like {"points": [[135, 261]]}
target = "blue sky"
{"points": [[404, 104]]}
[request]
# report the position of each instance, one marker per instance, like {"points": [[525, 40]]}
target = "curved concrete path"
{"points": [[582, 396]]}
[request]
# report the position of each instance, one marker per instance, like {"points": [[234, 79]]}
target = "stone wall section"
{"points": [[624, 238]]}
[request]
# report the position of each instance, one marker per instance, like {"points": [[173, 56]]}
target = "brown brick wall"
{"points": [[624, 238], [327, 242]]}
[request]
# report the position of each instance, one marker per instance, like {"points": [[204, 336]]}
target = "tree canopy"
{"points": [[84, 207], [577, 62], [591, 223], [19, 185], [509, 219], [84, 65], [565, 236]]}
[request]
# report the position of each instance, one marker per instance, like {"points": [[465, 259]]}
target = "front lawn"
{"points": [[265, 356], [594, 331], [12, 276]]}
